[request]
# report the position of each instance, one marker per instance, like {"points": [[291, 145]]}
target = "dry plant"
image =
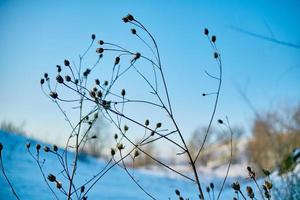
{"points": [[91, 99]]}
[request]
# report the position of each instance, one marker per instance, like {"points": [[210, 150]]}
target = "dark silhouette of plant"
{"points": [[108, 99]]}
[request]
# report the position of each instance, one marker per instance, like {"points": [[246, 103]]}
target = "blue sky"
{"points": [[37, 35]]}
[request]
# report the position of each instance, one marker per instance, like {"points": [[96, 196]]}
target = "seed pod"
{"points": [[207, 189], [96, 115], [133, 31], [59, 79], [136, 153], [54, 95], [236, 186], [117, 60], [220, 121], [158, 125], [68, 78], [206, 32], [27, 145], [99, 94], [101, 42], [216, 55], [46, 149], [46, 76], [105, 83], [55, 148], [99, 50], [58, 68], [58, 185], [42, 81], [213, 38], [38, 147], [211, 185], [147, 122], [120, 146], [137, 56], [86, 72], [76, 81], [177, 192], [268, 185], [112, 152], [250, 192], [67, 63], [123, 92], [116, 136], [93, 36], [94, 137], [97, 81], [126, 128], [82, 188], [92, 94], [51, 178]]}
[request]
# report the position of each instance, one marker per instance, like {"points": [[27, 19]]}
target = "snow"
{"points": [[116, 184]]}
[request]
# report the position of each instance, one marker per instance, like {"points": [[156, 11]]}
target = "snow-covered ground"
{"points": [[116, 184]]}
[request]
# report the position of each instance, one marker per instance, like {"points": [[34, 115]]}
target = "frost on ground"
{"points": [[116, 184]]}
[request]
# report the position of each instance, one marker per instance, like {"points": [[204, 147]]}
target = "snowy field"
{"points": [[116, 184]]}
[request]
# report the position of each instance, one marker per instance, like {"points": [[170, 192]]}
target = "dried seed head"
{"points": [[250, 192], [101, 42], [136, 153], [147, 122], [46, 76], [58, 185], [51, 178], [92, 94], [54, 95], [99, 50], [82, 188], [207, 189], [177, 192], [76, 81], [97, 81], [216, 55], [204, 94], [94, 137], [42, 81], [99, 94], [96, 115], [126, 128], [266, 172], [84, 198], [55, 148], [67, 63], [59, 79], [213, 38], [38, 147], [128, 18], [58, 68], [86, 72], [105, 83], [27, 145], [206, 32], [152, 133], [116, 136], [117, 60], [95, 89], [268, 184], [249, 169], [133, 31], [120, 146], [137, 56], [112, 152], [220, 121], [212, 185], [46, 149], [158, 125], [68, 78], [123, 92], [236, 186], [93, 36]]}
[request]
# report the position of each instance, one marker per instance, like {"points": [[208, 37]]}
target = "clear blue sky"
{"points": [[37, 35]]}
